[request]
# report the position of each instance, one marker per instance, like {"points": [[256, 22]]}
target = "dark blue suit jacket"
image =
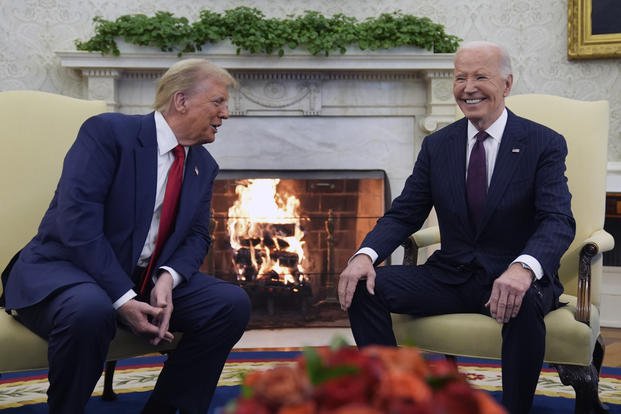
{"points": [[97, 222], [528, 207]]}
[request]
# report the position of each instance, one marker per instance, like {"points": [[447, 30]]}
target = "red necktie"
{"points": [[476, 181], [169, 210]]}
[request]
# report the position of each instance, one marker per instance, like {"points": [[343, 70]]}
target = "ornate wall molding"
{"points": [[440, 102]]}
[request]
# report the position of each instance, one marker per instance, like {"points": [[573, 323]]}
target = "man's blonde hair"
{"points": [[185, 76]]}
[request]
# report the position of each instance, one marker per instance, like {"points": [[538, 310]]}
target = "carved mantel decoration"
{"points": [[399, 82]]}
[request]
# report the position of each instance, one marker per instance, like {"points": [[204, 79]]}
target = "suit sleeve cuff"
{"points": [[532, 263], [176, 276], [130, 294], [368, 251]]}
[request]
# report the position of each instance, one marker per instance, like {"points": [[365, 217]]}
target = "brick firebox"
{"points": [[337, 209]]}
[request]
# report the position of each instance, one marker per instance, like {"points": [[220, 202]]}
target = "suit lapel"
{"points": [[456, 168], [145, 182], [509, 154]]}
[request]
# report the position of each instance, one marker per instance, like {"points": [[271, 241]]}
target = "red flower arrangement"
{"points": [[374, 380]]}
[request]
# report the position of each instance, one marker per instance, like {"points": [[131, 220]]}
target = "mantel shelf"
{"points": [[400, 59], [404, 81]]}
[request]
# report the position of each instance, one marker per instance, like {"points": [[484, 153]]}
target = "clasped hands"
{"points": [[151, 320], [504, 302]]}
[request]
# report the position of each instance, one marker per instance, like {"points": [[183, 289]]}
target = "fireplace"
{"points": [[284, 236], [314, 122]]}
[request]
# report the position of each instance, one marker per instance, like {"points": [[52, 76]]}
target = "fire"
{"points": [[265, 232]]}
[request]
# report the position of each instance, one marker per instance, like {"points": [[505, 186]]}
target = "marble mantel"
{"points": [[398, 82], [360, 110]]}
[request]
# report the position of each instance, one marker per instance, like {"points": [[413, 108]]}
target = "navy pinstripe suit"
{"points": [[528, 211]]}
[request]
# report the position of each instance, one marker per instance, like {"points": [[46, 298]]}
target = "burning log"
{"points": [[250, 242], [286, 259], [266, 235], [250, 259]]}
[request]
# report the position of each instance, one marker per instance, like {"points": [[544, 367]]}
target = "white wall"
{"points": [[534, 31]]}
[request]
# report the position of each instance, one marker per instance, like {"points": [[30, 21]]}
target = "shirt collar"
{"points": [[166, 139], [495, 130]]}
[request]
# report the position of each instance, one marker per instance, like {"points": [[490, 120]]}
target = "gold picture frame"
{"points": [[581, 42]]}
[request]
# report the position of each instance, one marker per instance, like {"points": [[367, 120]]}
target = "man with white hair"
{"points": [[497, 183]]}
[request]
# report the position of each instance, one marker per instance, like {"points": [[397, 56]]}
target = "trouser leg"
{"points": [[212, 314], [408, 290], [523, 349], [369, 317], [79, 323]]}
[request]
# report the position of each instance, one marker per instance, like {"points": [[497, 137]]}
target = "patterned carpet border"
{"points": [[140, 374]]}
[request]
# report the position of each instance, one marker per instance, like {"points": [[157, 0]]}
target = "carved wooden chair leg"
{"points": [[598, 353], [108, 391], [585, 381], [598, 360], [451, 358]]}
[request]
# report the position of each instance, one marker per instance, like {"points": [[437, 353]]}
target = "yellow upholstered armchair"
{"points": [[37, 130], [573, 342]]}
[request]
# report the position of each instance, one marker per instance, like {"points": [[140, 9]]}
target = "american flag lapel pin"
{"points": [[195, 170], [515, 150]]}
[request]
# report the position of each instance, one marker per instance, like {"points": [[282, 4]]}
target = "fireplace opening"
{"points": [[284, 236]]}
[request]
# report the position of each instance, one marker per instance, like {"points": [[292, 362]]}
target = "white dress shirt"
{"points": [[166, 141]]}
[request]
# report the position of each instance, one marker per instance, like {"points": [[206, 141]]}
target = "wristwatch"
{"points": [[527, 267]]}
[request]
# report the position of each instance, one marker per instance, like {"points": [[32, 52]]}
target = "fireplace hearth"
{"points": [[284, 235]]}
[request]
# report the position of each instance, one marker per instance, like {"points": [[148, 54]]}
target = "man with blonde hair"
{"points": [[123, 240]]}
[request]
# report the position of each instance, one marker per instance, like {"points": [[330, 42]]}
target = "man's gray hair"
{"points": [[505, 58]]}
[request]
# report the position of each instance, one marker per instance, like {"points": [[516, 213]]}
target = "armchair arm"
{"points": [[599, 242], [603, 240], [422, 238], [427, 236]]}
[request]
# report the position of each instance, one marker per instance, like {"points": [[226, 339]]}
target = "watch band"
{"points": [[527, 267]]}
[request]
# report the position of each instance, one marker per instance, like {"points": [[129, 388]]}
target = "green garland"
{"points": [[249, 30]]}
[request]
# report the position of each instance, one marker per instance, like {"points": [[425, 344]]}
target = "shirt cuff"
{"points": [[130, 294], [531, 262], [368, 251], [176, 276]]}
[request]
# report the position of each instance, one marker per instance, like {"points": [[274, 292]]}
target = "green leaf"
{"points": [[319, 373], [249, 30], [338, 342]]}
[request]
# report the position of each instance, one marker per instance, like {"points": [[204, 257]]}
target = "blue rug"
{"points": [[24, 393]]}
